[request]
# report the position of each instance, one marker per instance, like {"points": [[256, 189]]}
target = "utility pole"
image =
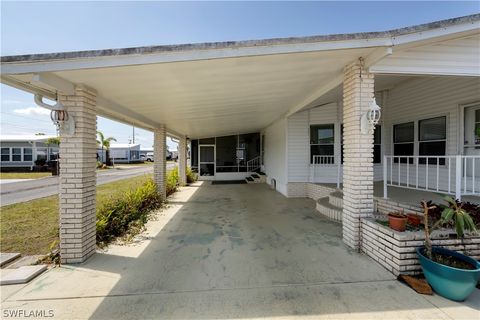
{"points": [[133, 134]]}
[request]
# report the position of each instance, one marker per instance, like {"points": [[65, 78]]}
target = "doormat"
{"points": [[417, 284], [229, 182]]}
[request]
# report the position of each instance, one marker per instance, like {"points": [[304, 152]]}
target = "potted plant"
{"points": [[397, 221], [451, 274], [414, 219]]}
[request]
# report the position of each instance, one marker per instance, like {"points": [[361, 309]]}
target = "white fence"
{"points": [[332, 169], [457, 175]]}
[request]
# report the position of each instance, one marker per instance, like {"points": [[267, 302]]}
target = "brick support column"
{"points": [[182, 160], [78, 178], [358, 90], [160, 162]]}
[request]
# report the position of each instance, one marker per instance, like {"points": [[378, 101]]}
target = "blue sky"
{"points": [[35, 27]]}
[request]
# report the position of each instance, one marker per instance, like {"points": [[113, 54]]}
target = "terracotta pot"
{"points": [[414, 219], [397, 221]]}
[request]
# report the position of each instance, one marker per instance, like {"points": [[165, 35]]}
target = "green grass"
{"points": [[31, 227], [24, 175]]}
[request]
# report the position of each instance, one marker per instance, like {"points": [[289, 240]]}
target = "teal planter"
{"points": [[451, 283]]}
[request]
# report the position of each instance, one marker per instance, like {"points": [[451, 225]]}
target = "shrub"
{"points": [[120, 214], [172, 181], [40, 162], [191, 176]]}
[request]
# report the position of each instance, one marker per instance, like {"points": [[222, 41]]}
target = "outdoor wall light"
{"points": [[370, 118], [65, 123]]}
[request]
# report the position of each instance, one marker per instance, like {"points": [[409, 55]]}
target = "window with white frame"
{"points": [[16, 154], [322, 142], [404, 141], [377, 144], [5, 154], [432, 139], [27, 154]]}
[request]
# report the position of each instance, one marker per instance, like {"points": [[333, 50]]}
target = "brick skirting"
{"points": [[396, 250]]}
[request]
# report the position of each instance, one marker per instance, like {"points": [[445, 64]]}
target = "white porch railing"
{"points": [[457, 175], [253, 164], [327, 162]]}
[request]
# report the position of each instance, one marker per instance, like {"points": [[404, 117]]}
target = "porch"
{"points": [[228, 251], [411, 178]]}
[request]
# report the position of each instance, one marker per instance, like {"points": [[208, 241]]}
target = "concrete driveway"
{"points": [[231, 251]]}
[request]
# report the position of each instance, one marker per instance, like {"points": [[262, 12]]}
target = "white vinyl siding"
{"points": [[410, 101], [451, 57], [275, 154], [424, 98], [298, 147]]}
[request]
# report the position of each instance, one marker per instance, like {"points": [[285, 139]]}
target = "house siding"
{"points": [[276, 153], [422, 98], [411, 100]]}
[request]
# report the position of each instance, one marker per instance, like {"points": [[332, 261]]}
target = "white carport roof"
{"points": [[214, 89]]}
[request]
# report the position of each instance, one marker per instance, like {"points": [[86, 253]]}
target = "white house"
{"points": [[125, 152], [296, 108], [21, 151]]}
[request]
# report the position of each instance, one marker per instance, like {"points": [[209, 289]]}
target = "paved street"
{"points": [[22, 191]]}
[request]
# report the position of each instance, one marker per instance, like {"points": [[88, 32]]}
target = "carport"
{"points": [[194, 91]]}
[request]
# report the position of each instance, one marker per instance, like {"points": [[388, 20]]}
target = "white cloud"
{"points": [[32, 111]]}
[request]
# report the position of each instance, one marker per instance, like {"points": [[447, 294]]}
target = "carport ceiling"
{"points": [[218, 96]]}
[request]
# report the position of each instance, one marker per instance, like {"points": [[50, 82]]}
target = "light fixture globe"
{"points": [[373, 113], [370, 118]]}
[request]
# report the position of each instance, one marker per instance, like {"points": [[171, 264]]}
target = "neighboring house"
{"points": [[21, 151], [125, 152], [144, 151], [292, 108]]}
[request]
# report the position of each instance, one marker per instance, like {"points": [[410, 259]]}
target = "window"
{"points": [[16, 154], [322, 139], [5, 154], [377, 145], [403, 141], [27, 154], [432, 137]]}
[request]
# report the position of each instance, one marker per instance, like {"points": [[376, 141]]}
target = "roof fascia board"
{"points": [[181, 56], [423, 71], [436, 35]]}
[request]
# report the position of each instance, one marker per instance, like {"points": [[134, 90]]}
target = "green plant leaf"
{"points": [[459, 226]]}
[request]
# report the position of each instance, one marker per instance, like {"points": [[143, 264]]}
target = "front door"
{"points": [[206, 162]]}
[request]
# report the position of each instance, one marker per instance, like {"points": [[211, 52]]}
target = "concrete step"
{"points": [[336, 199], [6, 258], [256, 178], [327, 209], [250, 180], [21, 275]]}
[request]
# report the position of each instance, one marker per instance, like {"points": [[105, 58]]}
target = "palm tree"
{"points": [[105, 144], [54, 140]]}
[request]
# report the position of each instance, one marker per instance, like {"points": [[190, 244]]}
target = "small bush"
{"points": [[129, 210], [172, 181], [40, 162], [191, 176]]}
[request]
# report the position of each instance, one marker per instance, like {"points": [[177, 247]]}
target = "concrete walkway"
{"points": [[231, 251]]}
